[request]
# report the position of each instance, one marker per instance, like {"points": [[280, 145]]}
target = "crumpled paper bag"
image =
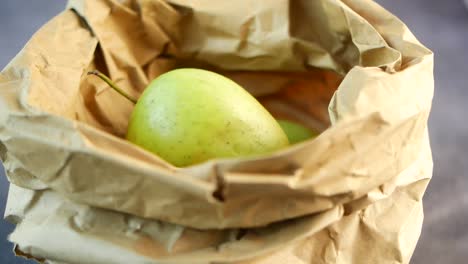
{"points": [[347, 68]]}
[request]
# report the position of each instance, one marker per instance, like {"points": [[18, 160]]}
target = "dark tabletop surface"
{"points": [[440, 25]]}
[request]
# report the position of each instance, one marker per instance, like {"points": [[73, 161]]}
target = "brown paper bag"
{"points": [[347, 68]]}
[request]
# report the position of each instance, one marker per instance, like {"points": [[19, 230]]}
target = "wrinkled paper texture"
{"points": [[347, 68]]}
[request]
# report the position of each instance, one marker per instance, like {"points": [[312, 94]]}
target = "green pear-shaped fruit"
{"points": [[187, 116], [296, 132]]}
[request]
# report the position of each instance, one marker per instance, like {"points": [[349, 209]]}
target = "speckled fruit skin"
{"points": [[187, 116]]}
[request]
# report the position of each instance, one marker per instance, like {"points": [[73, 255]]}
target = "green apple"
{"points": [[188, 116], [296, 132]]}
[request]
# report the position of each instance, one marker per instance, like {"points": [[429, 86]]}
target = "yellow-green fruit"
{"points": [[296, 133], [188, 116]]}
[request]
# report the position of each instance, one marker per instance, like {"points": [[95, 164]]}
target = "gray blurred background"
{"points": [[441, 25]]}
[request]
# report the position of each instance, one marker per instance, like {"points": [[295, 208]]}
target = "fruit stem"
{"points": [[112, 85]]}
